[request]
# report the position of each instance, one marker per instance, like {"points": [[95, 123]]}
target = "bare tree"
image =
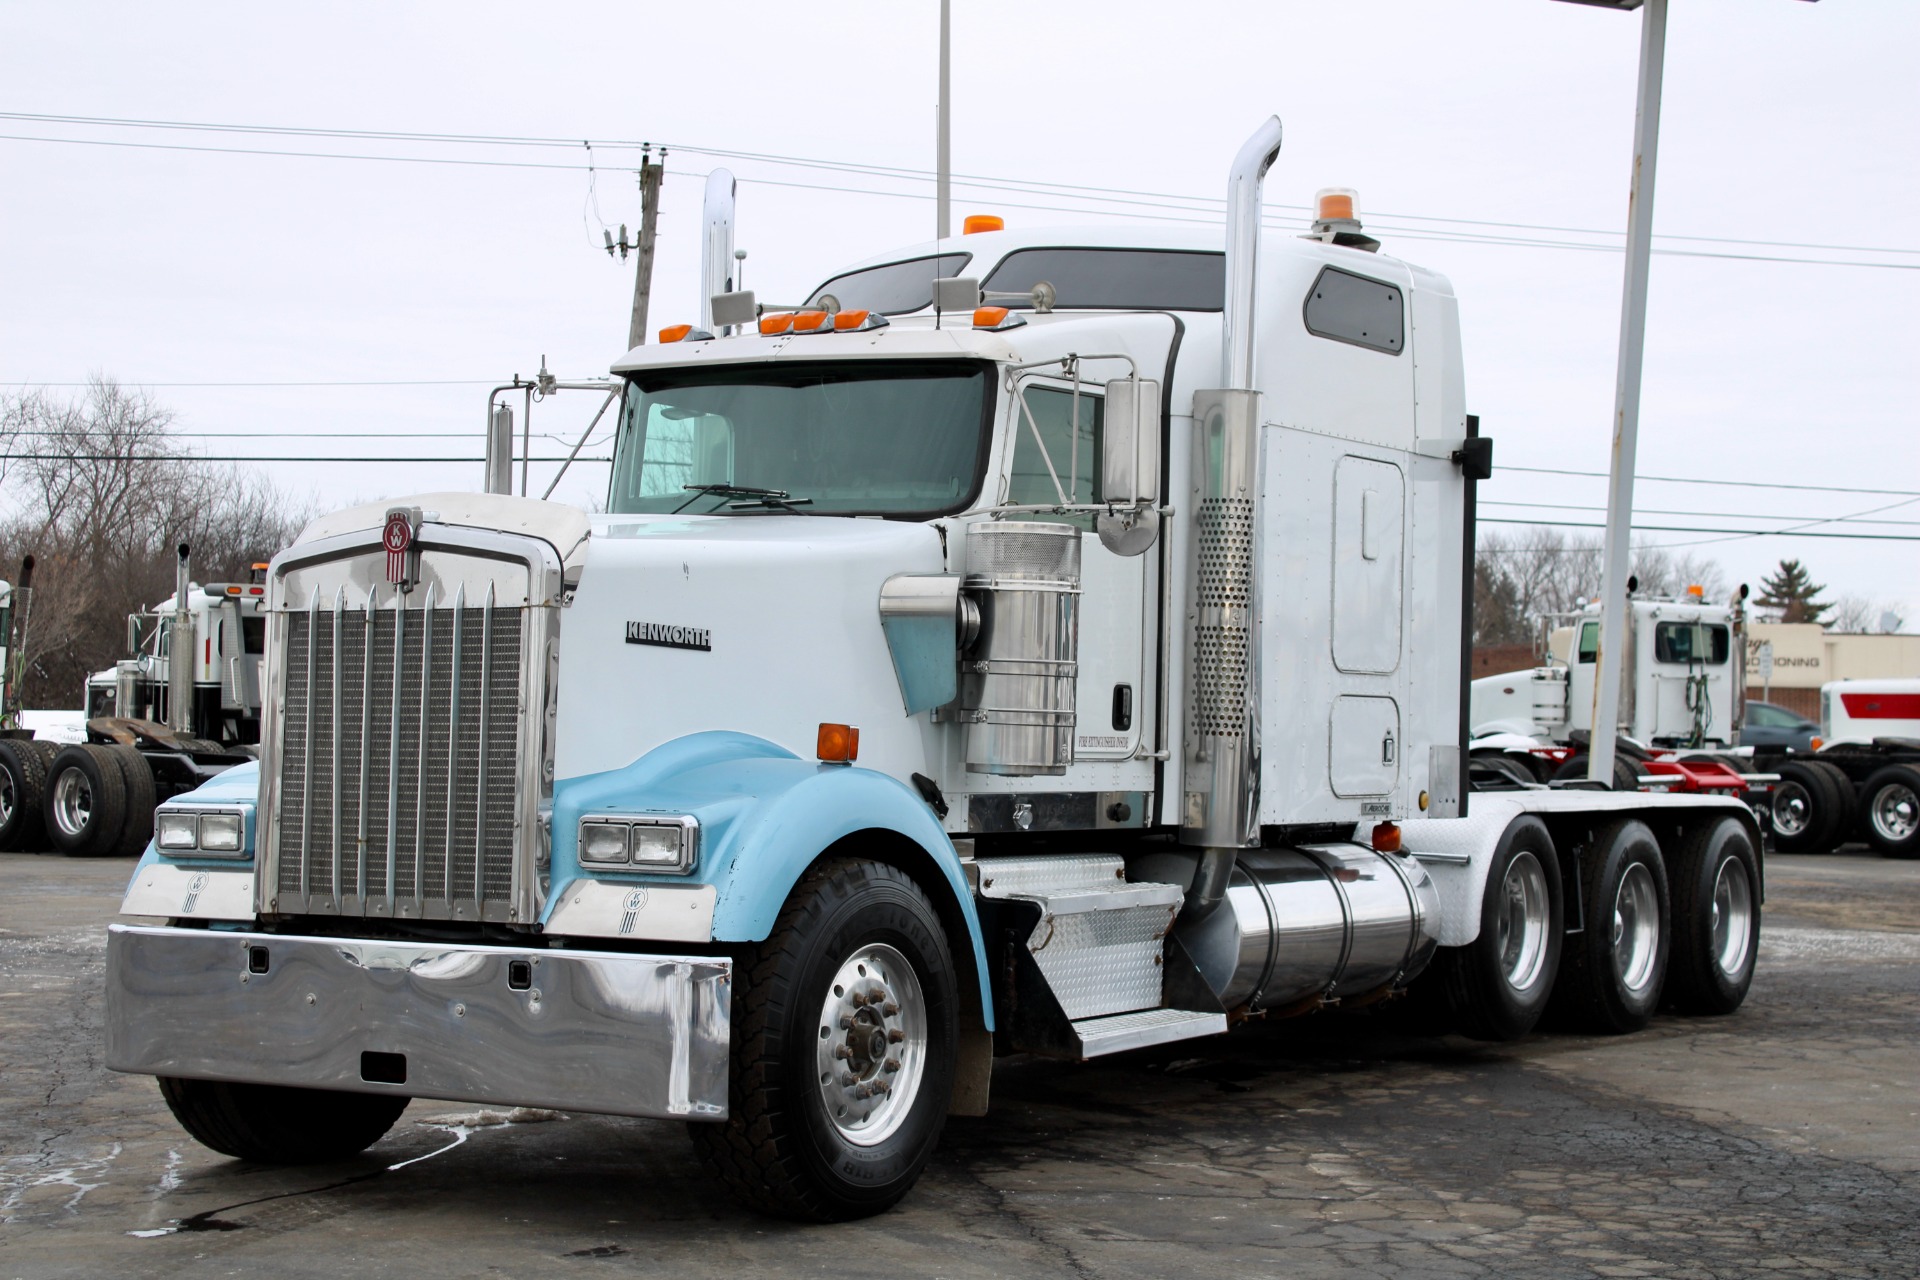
{"points": [[96, 491], [1527, 572]]}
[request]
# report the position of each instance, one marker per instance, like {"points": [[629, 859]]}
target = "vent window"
{"points": [[1350, 308]]}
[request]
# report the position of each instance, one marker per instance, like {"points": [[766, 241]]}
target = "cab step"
{"points": [[1098, 939], [1116, 1033]]}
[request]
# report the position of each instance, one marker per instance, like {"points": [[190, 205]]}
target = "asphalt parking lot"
{"points": [[1784, 1140]]}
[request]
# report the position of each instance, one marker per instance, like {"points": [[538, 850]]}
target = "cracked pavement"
{"points": [[1784, 1140]]}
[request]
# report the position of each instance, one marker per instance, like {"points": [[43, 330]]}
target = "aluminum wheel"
{"points": [[72, 803], [1523, 930], [1636, 928], [1896, 812], [1732, 918], [873, 1044], [1792, 809]]}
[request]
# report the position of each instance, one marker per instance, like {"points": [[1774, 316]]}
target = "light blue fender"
{"points": [[765, 815], [238, 785]]}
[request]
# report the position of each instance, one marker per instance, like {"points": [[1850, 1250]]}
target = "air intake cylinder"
{"points": [[1017, 680]]}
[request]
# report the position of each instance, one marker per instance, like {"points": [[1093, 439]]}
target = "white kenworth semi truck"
{"points": [[941, 681]]}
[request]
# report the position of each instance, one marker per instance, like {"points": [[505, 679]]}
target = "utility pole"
{"points": [[1616, 561], [943, 164], [650, 175]]}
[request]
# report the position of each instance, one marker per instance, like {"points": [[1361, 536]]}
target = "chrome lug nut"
{"points": [[893, 1064], [896, 1035]]}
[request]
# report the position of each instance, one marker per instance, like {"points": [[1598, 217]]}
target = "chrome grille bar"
{"points": [[393, 747], [366, 714], [453, 743], [420, 755], [306, 755], [333, 829], [480, 791]]}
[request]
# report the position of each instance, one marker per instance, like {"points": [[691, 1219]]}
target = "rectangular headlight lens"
{"points": [[658, 846], [603, 842], [222, 832], [177, 830]]}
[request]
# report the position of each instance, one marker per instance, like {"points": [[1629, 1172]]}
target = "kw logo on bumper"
{"points": [[630, 916], [667, 636], [195, 887]]}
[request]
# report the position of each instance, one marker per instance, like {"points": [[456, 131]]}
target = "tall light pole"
{"points": [[943, 148], [1616, 563]]}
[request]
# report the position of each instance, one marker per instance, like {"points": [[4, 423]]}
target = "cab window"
{"points": [[1029, 482], [1589, 641], [1690, 642]]}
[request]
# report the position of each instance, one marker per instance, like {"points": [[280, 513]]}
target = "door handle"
{"points": [[1386, 748]]}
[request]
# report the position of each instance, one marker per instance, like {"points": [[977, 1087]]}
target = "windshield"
{"points": [[896, 438]]}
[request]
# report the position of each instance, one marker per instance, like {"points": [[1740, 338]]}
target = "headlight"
{"points": [[668, 843], [603, 842], [200, 831], [222, 832], [177, 830]]}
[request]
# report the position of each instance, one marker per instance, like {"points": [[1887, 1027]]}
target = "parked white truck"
{"points": [[154, 727], [941, 680]]}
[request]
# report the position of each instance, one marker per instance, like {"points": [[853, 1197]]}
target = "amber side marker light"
{"points": [[838, 744], [978, 222], [778, 322], [675, 332], [1386, 838]]}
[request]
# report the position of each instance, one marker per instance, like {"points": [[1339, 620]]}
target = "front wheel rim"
{"points": [[72, 803], [1896, 812], [1523, 922], [1792, 809], [1636, 929], [1732, 918], [6, 798], [872, 1044]]}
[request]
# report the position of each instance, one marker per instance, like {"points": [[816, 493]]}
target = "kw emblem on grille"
{"points": [[194, 888], [631, 916], [667, 636], [399, 538]]}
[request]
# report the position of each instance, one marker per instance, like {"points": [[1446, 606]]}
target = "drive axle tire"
{"points": [[1891, 802], [279, 1124], [86, 802], [1612, 971], [23, 785], [137, 830], [845, 1027], [1716, 919], [1847, 813], [1497, 986], [1806, 809]]}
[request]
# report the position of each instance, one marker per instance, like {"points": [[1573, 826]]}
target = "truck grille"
{"points": [[398, 759]]}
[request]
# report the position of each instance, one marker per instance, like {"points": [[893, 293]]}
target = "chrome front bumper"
{"points": [[622, 1034]]}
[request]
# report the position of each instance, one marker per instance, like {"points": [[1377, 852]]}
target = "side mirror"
{"points": [[133, 633], [1130, 466]]}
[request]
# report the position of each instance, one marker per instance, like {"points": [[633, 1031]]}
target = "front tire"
{"points": [[845, 1032], [1612, 972], [1497, 986], [279, 1124], [1891, 800], [1716, 920]]}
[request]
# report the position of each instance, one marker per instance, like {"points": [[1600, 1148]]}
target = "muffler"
{"points": [[1332, 922]]}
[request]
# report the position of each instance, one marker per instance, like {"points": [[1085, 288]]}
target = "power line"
{"points": [[856, 167], [369, 382], [1705, 515], [1735, 484], [248, 457], [1743, 533], [1067, 191]]}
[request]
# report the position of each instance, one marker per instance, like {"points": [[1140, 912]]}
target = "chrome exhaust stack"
{"points": [[716, 243], [1220, 812]]}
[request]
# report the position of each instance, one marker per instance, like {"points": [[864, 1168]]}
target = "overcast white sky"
{"points": [[1784, 122]]}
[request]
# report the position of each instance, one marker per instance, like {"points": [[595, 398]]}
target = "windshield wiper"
{"points": [[773, 500], [725, 491]]}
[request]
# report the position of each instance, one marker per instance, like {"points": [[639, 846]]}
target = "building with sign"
{"points": [[1806, 656]]}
